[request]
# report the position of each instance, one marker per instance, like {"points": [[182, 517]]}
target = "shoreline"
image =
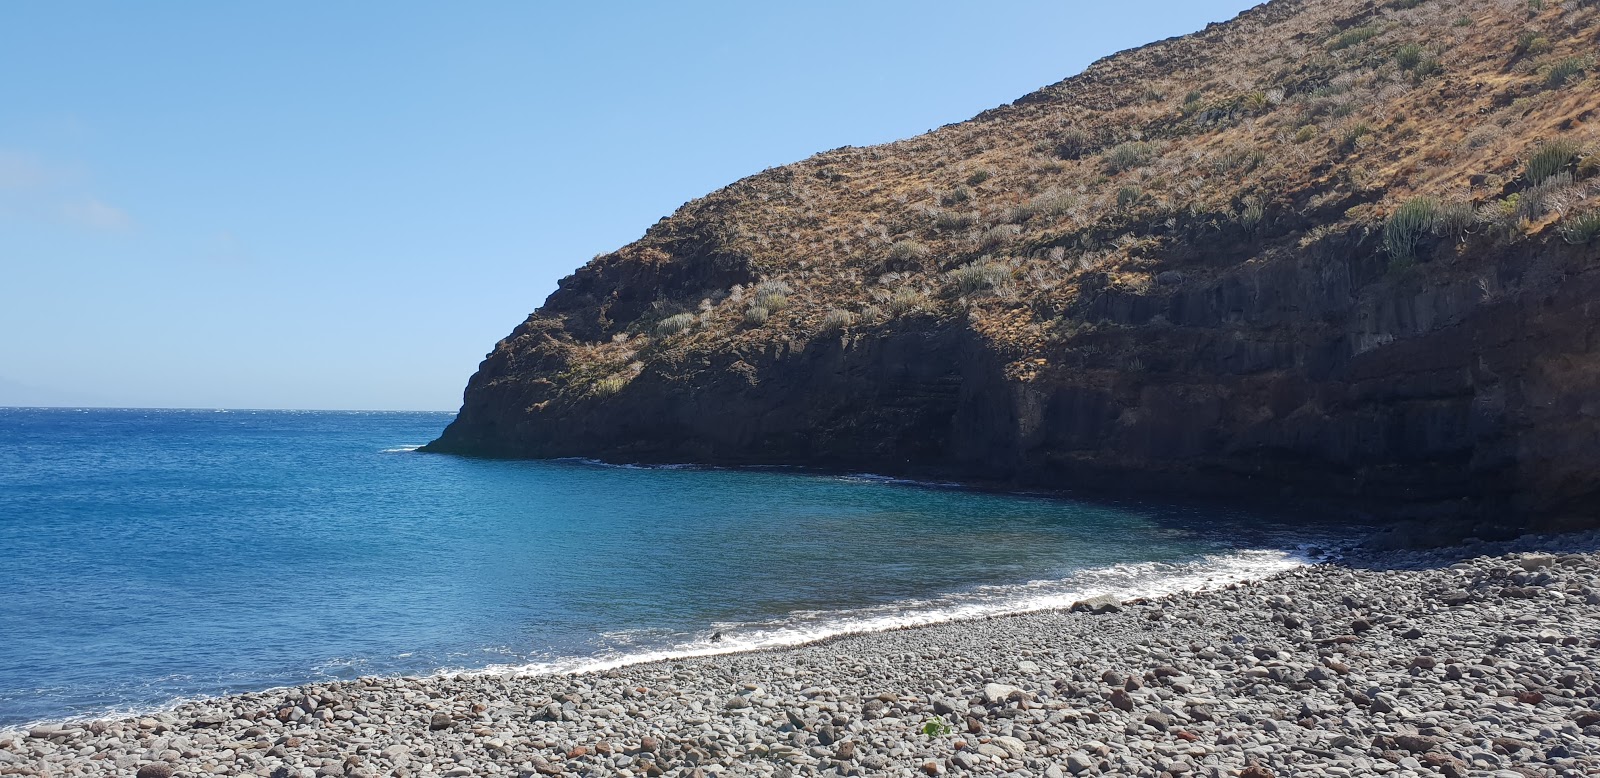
{"points": [[1335, 666], [1188, 576]]}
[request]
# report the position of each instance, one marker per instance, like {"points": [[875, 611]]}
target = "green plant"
{"points": [[956, 196], [1559, 73], [1354, 36], [1549, 159], [1305, 133], [1353, 135], [1581, 228], [1463, 20], [756, 315], [609, 385], [907, 249], [1409, 55], [772, 295], [903, 301], [937, 727], [979, 176], [836, 320], [997, 236], [1127, 156], [952, 220], [1128, 195], [1531, 43], [1406, 227], [675, 324], [1455, 217], [1074, 144], [1252, 214], [978, 276]]}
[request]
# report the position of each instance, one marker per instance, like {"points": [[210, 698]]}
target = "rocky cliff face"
{"points": [[1332, 250]]}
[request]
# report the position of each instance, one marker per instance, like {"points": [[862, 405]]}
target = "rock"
{"points": [[996, 693], [155, 770], [1416, 744], [440, 721], [1121, 700], [1103, 603], [846, 751], [1079, 761], [1014, 747], [1424, 662]]}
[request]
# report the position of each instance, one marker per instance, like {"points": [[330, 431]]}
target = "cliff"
{"points": [[1337, 251]]}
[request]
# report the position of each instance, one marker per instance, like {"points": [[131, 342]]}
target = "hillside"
{"points": [[1332, 250]]}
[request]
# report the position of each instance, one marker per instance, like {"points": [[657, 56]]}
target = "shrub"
{"points": [[980, 275], [1305, 133], [1559, 73], [997, 236], [1127, 156], [1406, 227], [675, 324], [1550, 158], [1128, 195], [907, 249], [979, 176], [772, 295], [951, 220], [1581, 228], [1252, 214], [1503, 216], [1409, 55], [1354, 37], [1531, 43], [837, 319], [903, 301], [756, 315], [1353, 135], [1074, 144], [956, 196], [609, 385], [1455, 217]]}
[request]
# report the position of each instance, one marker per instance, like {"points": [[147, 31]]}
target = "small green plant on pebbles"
{"points": [[937, 727]]}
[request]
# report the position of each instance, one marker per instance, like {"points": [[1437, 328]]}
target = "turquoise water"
{"points": [[156, 555]]}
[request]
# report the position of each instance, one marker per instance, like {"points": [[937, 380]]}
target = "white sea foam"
{"points": [[401, 449], [1124, 581]]}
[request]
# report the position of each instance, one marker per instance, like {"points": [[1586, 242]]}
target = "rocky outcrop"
{"points": [[1248, 335]]}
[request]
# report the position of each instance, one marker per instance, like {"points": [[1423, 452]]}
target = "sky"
{"points": [[344, 205]]}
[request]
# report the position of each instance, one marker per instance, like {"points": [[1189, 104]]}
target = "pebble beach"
{"points": [[1471, 661]]}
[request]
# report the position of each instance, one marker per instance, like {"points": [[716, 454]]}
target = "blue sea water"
{"points": [[152, 555]]}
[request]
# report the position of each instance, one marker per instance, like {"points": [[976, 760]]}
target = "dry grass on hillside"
{"points": [[1469, 120]]}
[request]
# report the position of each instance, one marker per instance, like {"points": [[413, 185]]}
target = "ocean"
{"points": [[150, 556]]}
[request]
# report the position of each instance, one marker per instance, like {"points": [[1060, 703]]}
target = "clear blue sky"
{"points": [[344, 205]]}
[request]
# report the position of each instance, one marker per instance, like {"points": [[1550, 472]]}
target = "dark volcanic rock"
{"points": [[1123, 348]]}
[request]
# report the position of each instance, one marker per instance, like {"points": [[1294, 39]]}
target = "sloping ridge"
{"points": [[1336, 252]]}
